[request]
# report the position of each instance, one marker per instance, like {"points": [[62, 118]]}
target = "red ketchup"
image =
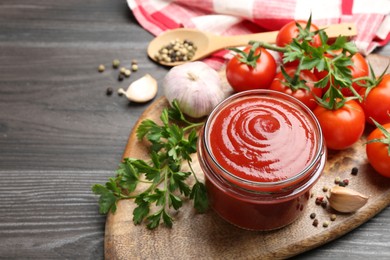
{"points": [[261, 151]]}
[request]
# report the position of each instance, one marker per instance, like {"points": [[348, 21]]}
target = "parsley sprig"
{"points": [[333, 58], [158, 186]]}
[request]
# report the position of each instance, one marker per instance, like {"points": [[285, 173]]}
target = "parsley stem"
{"points": [[192, 125], [127, 196], [193, 172], [143, 181], [166, 189]]}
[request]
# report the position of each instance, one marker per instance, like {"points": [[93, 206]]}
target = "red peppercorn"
{"points": [[319, 200]]}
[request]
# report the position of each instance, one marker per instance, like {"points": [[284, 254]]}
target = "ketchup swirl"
{"points": [[262, 139]]}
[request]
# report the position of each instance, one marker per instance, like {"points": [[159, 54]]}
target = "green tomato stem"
{"points": [[269, 46]]}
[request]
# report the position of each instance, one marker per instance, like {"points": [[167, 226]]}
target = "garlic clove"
{"points": [[346, 200], [142, 90]]}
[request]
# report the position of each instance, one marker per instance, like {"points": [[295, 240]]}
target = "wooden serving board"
{"points": [[208, 236]]}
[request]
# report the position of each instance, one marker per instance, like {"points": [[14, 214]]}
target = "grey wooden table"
{"points": [[60, 133]]}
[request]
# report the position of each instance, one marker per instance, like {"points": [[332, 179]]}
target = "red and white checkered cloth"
{"points": [[234, 17]]}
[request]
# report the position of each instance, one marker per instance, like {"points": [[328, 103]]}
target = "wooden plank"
{"points": [[50, 214], [209, 236]]}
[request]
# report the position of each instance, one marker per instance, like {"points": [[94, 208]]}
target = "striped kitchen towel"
{"points": [[234, 17]]}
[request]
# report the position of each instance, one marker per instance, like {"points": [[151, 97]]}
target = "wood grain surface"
{"points": [[60, 133], [208, 236]]}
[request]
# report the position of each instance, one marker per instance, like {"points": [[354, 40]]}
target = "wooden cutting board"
{"points": [[208, 236]]}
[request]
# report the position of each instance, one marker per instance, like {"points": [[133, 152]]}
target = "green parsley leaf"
{"points": [[178, 182], [140, 212], [167, 219], [164, 184], [129, 174], [175, 201], [199, 195], [154, 219], [107, 199]]}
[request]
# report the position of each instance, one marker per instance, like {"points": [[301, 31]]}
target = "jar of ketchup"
{"points": [[261, 152]]}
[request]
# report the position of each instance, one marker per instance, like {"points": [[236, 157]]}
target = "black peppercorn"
{"points": [[109, 91]]}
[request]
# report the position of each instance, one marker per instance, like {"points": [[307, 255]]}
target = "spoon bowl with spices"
{"points": [[177, 46]]}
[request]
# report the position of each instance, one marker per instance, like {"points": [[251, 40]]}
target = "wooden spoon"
{"points": [[208, 43]]}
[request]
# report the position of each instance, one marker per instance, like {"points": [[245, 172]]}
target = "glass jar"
{"points": [[261, 152]]}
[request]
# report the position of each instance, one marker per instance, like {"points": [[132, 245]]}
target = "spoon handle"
{"points": [[333, 31], [241, 40]]}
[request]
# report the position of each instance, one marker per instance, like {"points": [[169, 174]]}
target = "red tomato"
{"points": [[242, 76], [377, 102], [378, 152], [306, 96], [358, 69], [290, 31], [342, 127]]}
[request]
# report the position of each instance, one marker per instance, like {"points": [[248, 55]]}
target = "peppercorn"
{"points": [[109, 91], [313, 215], [122, 70], [134, 62], [337, 180], [342, 184], [120, 77], [127, 73], [354, 171], [315, 222], [325, 189], [324, 203], [115, 63], [101, 68], [319, 200], [325, 224], [134, 67], [333, 217], [346, 182], [176, 50]]}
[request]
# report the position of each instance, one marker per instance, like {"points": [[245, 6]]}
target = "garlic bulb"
{"points": [[196, 86], [346, 200]]}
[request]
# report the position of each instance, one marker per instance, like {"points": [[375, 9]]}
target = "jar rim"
{"points": [[266, 92]]}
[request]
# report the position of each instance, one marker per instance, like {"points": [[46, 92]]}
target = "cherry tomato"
{"points": [[377, 102], [378, 152], [358, 69], [341, 127], [242, 76], [306, 96], [290, 31]]}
